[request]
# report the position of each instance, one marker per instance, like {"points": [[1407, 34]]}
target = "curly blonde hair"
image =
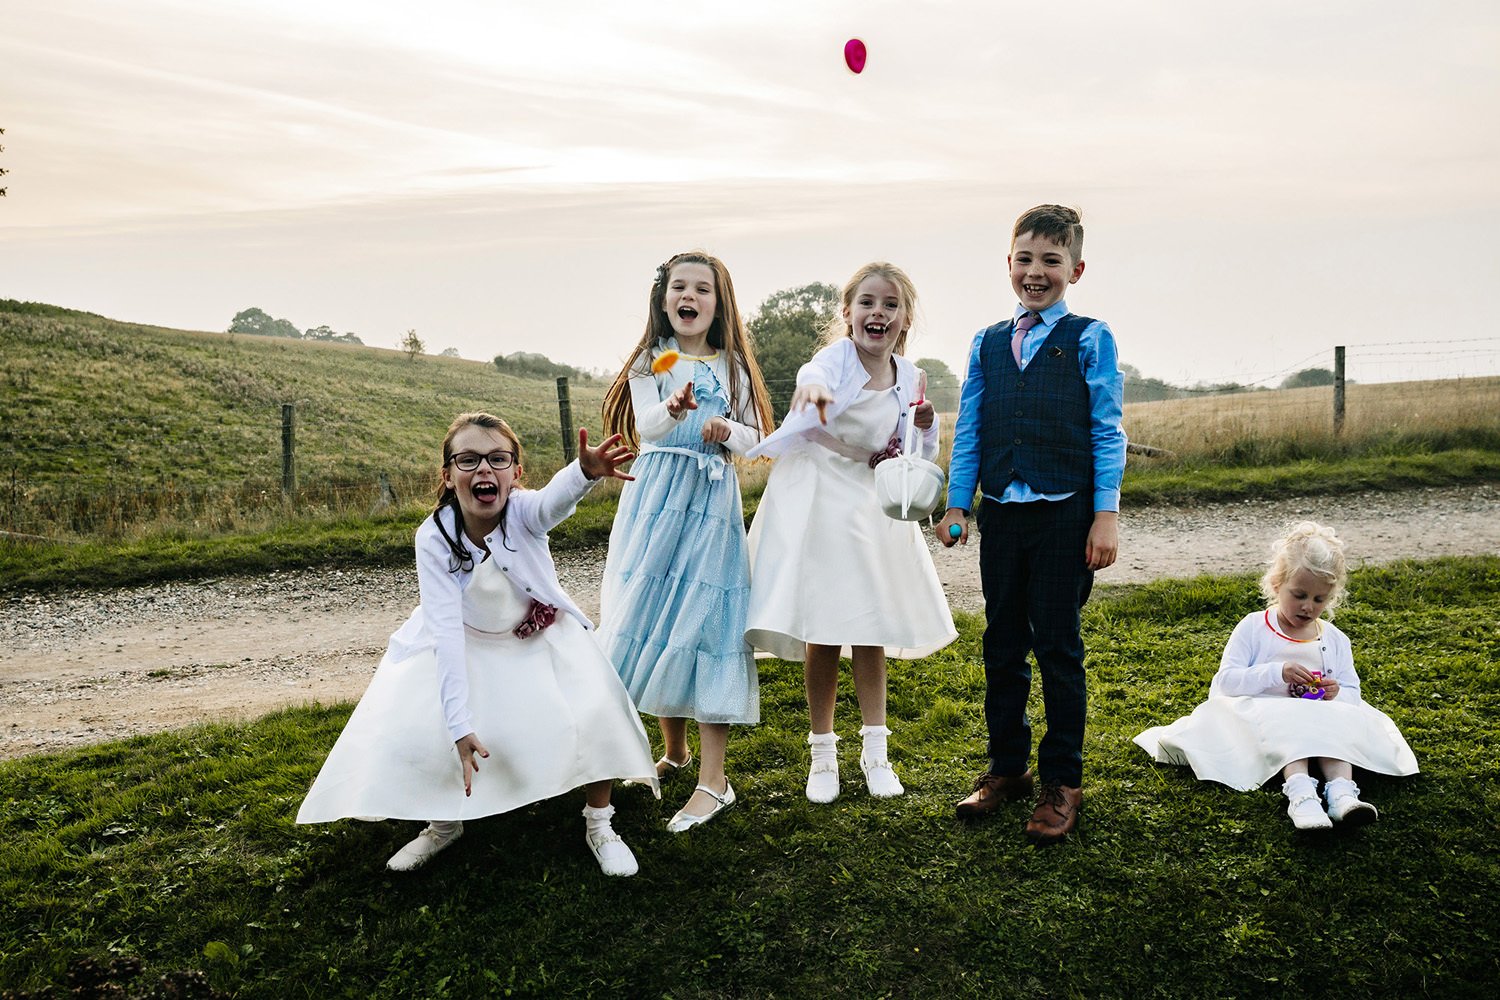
{"points": [[1314, 547]]}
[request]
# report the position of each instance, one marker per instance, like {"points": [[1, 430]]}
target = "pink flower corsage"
{"points": [[537, 618], [891, 450]]}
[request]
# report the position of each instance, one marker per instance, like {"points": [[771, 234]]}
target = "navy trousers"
{"points": [[1036, 581]]}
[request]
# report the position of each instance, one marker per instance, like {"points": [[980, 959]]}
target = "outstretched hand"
{"points": [[681, 400], [812, 395], [605, 460], [467, 747]]}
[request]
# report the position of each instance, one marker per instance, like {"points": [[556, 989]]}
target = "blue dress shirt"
{"points": [[1099, 363]]}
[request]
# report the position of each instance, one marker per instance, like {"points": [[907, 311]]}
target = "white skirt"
{"points": [[827, 566], [1243, 742], [550, 709]]}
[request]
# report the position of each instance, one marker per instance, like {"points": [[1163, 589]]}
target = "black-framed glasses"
{"points": [[468, 461]]}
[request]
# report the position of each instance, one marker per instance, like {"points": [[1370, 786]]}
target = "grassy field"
{"points": [[180, 849], [1290, 425], [138, 453], [108, 426]]}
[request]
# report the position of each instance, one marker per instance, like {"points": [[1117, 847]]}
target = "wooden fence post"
{"points": [[1338, 390], [289, 449], [565, 416]]}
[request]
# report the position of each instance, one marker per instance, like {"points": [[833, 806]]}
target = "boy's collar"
{"points": [[1050, 315]]}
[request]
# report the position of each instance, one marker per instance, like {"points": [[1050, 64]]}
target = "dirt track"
{"points": [[93, 666]]}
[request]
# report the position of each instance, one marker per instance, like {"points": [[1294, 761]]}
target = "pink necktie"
{"points": [[1023, 324]]}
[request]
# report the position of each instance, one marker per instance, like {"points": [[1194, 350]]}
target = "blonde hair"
{"points": [[838, 328], [727, 333], [1314, 547]]}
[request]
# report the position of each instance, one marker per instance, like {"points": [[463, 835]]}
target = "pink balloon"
{"points": [[854, 55]]}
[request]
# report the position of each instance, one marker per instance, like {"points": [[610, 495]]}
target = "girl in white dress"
{"points": [[831, 574], [497, 661], [1287, 694]]}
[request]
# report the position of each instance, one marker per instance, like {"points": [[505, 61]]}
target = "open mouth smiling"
{"points": [[485, 491]]}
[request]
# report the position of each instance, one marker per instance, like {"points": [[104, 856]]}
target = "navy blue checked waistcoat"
{"points": [[1035, 424]]}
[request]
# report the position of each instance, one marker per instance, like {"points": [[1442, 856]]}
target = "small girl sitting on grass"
{"points": [[1286, 696]]}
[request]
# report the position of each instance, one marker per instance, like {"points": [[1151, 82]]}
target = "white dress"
{"points": [[827, 565], [549, 708], [1244, 739]]}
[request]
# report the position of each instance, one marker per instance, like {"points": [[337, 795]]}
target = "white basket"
{"points": [[909, 488]]}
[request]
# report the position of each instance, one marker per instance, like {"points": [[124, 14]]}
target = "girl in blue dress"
{"points": [[676, 584]]}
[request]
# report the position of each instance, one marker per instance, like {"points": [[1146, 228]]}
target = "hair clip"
{"points": [[661, 274]]}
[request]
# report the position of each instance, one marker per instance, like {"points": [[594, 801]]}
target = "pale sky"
{"points": [[1259, 182]]}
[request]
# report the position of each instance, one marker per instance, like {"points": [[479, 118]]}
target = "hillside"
{"points": [[92, 403]]}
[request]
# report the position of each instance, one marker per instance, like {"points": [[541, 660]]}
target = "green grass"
{"points": [[104, 423], [139, 454], [1148, 483], [180, 848]]}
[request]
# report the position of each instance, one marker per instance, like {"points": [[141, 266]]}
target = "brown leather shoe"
{"points": [[992, 789], [1056, 815]]}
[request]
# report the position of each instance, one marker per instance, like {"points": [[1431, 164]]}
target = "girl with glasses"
{"points": [[497, 667]]}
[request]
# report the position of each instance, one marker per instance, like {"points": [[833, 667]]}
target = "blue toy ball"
{"points": [[954, 531]]}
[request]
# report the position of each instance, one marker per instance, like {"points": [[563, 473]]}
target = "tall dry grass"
{"points": [[1291, 424]]}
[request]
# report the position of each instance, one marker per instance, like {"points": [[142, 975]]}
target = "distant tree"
{"points": [[325, 333], [1139, 389], [942, 384], [785, 333], [449, 352], [525, 364], [258, 322], [412, 345], [1308, 377]]}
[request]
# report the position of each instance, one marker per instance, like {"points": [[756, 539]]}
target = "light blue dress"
{"points": [[676, 586]]}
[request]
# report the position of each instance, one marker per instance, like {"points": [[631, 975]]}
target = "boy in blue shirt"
{"points": [[1039, 432]]}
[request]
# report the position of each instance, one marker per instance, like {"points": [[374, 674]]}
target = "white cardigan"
{"points": [[838, 369], [438, 623]]}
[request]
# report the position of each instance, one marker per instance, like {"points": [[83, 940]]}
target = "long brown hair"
{"points": [[727, 333], [459, 555]]}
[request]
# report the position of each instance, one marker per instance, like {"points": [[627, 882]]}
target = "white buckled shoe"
{"points": [[424, 847], [1303, 804], [880, 779], [612, 853], [685, 820], [665, 768], [1345, 806]]}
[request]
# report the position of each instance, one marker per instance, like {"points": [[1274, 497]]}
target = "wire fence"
{"points": [[109, 493]]}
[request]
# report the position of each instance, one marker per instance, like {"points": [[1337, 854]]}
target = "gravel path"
{"points": [[91, 666]]}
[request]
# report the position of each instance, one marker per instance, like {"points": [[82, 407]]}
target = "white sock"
{"points": [[598, 819], [880, 777], [823, 774], [1299, 785], [824, 747], [445, 828]]}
